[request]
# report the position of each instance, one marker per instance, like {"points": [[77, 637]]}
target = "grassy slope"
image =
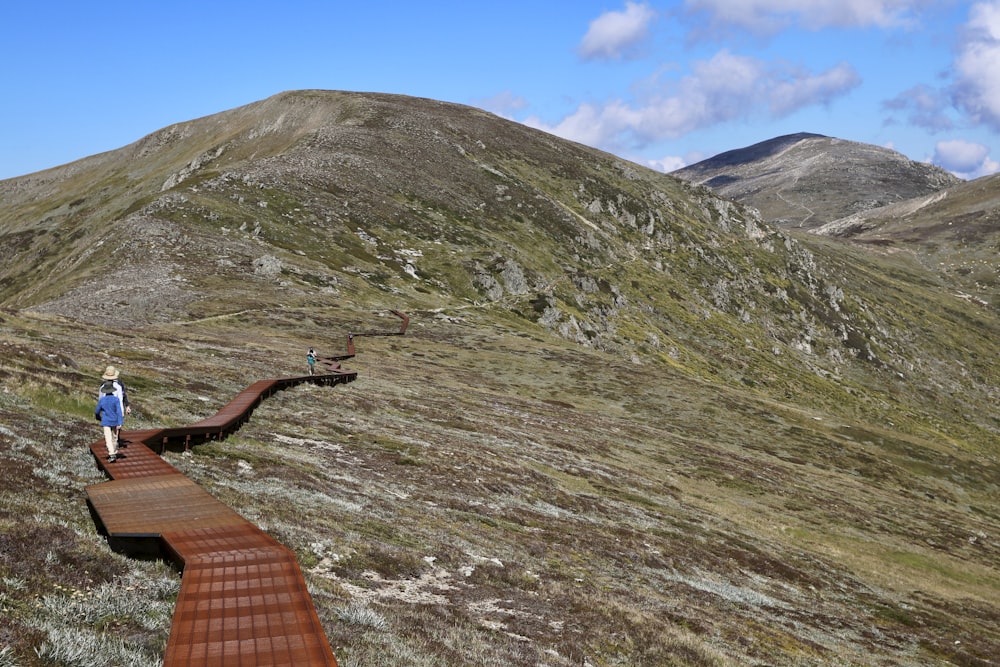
{"points": [[486, 494]]}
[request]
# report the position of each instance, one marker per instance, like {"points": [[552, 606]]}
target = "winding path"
{"points": [[243, 600]]}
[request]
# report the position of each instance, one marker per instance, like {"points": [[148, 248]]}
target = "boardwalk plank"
{"points": [[243, 600]]}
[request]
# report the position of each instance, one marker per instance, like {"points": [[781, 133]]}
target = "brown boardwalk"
{"points": [[243, 601]]}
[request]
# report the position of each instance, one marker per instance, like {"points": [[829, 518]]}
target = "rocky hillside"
{"points": [[806, 180], [632, 422], [954, 233], [872, 196]]}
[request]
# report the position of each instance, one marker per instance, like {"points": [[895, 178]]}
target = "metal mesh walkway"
{"points": [[243, 600]]}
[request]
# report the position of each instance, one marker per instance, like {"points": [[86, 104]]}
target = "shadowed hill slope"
{"points": [[633, 424]]}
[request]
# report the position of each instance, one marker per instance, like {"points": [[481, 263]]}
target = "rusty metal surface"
{"points": [[150, 506], [187, 545], [135, 459], [246, 607], [243, 600]]}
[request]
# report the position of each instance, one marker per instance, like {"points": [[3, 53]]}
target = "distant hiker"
{"points": [[111, 375], [109, 412], [311, 358]]}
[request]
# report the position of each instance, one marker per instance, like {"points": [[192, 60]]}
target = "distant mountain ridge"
{"points": [[806, 180], [871, 196]]}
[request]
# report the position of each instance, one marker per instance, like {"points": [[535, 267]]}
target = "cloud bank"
{"points": [[725, 88], [977, 66], [771, 16], [729, 87], [965, 159]]}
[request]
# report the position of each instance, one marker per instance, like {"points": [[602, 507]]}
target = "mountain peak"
{"points": [[758, 151], [807, 180]]}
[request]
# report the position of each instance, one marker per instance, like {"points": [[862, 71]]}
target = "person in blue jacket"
{"points": [[111, 373], [109, 412]]}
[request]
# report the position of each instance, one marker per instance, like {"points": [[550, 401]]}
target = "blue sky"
{"points": [[661, 83]]}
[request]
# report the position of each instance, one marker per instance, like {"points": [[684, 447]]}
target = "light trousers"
{"points": [[111, 440]]}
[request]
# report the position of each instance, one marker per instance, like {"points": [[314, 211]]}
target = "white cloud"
{"points": [[503, 104], [965, 159], [726, 87], [806, 90], [615, 35], [977, 83], [770, 16], [667, 164], [974, 90], [960, 155], [592, 125]]}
